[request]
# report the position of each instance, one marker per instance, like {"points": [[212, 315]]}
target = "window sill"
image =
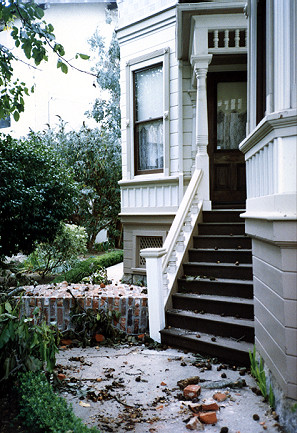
{"points": [[149, 178]]}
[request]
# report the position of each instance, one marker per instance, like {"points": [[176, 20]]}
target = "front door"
{"points": [[227, 111]]}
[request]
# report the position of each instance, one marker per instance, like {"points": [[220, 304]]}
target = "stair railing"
{"points": [[163, 264]]}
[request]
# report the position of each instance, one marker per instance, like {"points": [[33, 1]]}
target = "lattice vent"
{"points": [[148, 242]]}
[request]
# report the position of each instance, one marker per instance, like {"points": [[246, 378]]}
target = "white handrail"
{"points": [[181, 214]]}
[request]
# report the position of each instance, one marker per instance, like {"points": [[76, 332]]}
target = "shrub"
{"points": [[70, 241], [43, 410], [25, 343], [37, 191], [89, 266]]}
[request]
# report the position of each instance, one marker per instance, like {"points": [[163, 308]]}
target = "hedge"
{"points": [[42, 410], [89, 266]]}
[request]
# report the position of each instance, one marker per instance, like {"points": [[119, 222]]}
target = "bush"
{"points": [[89, 266], [37, 192], [25, 343], [44, 411], [70, 241]]}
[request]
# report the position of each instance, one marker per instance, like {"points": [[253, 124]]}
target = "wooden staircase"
{"points": [[213, 309]]}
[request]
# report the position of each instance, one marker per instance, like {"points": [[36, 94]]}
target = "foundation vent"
{"points": [[148, 242]]}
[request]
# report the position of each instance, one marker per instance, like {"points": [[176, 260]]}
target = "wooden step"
{"points": [[220, 305], [219, 270], [239, 329], [221, 228], [218, 287], [220, 255], [226, 349], [222, 241], [225, 215]]}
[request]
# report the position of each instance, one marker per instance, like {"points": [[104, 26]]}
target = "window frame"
{"points": [[142, 122], [150, 60]]}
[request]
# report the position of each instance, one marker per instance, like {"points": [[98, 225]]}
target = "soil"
{"points": [[9, 420]]}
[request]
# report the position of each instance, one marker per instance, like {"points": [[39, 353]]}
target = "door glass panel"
{"points": [[231, 114]]}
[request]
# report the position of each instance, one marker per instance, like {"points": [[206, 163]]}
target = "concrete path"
{"points": [[132, 388], [115, 272]]}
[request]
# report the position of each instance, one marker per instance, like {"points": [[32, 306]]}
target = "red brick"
{"points": [[220, 396], [60, 317], [194, 424], [192, 391], [88, 302], [116, 302], [60, 302], [208, 417], [130, 301], [210, 406], [95, 304], [32, 302]]}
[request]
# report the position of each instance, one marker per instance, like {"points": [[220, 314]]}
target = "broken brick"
{"points": [[210, 406], [208, 417], [194, 424], [99, 338], [220, 396], [192, 391]]}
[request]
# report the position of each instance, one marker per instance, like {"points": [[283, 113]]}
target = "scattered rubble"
{"points": [[131, 388]]}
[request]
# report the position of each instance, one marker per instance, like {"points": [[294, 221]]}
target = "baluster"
{"points": [[237, 38], [246, 38], [188, 223], [216, 38], [180, 242], [165, 283], [172, 263], [226, 38]]}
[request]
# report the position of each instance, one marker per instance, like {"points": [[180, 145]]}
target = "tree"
{"points": [[35, 37], [95, 157], [37, 192]]}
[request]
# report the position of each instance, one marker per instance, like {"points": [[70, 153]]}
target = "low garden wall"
{"points": [[56, 301]]}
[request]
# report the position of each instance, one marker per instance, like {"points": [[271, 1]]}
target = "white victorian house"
{"points": [[209, 187]]}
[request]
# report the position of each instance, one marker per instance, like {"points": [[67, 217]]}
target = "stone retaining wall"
{"points": [[134, 310]]}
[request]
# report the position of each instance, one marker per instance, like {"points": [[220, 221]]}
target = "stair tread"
{"points": [[219, 280], [222, 236], [227, 223], [220, 341], [222, 250], [229, 299], [213, 317], [224, 210], [245, 265]]}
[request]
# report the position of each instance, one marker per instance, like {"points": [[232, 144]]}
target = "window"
{"points": [[148, 119]]}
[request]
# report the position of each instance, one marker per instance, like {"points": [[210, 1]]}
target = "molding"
{"points": [[144, 180], [147, 25], [280, 120], [148, 56], [269, 216]]}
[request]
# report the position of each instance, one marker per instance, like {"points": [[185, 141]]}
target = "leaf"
{"points": [[82, 56], [16, 116], [8, 307]]}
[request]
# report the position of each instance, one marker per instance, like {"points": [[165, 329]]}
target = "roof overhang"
{"points": [[184, 15]]}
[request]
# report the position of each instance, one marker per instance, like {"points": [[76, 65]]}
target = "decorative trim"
{"points": [[148, 56], [281, 120]]}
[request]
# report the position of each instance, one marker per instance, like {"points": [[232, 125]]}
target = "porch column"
{"points": [[200, 66], [192, 94]]}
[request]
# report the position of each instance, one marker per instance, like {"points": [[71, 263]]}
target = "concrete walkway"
{"points": [[132, 388], [115, 272]]}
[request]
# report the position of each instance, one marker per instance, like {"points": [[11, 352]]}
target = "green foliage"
{"points": [[87, 323], [44, 411], [34, 36], [257, 370], [37, 192], [106, 111], [70, 241], [95, 158], [89, 266], [98, 277], [25, 343]]}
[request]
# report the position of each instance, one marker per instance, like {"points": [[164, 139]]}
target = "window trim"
{"points": [[158, 57]]}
